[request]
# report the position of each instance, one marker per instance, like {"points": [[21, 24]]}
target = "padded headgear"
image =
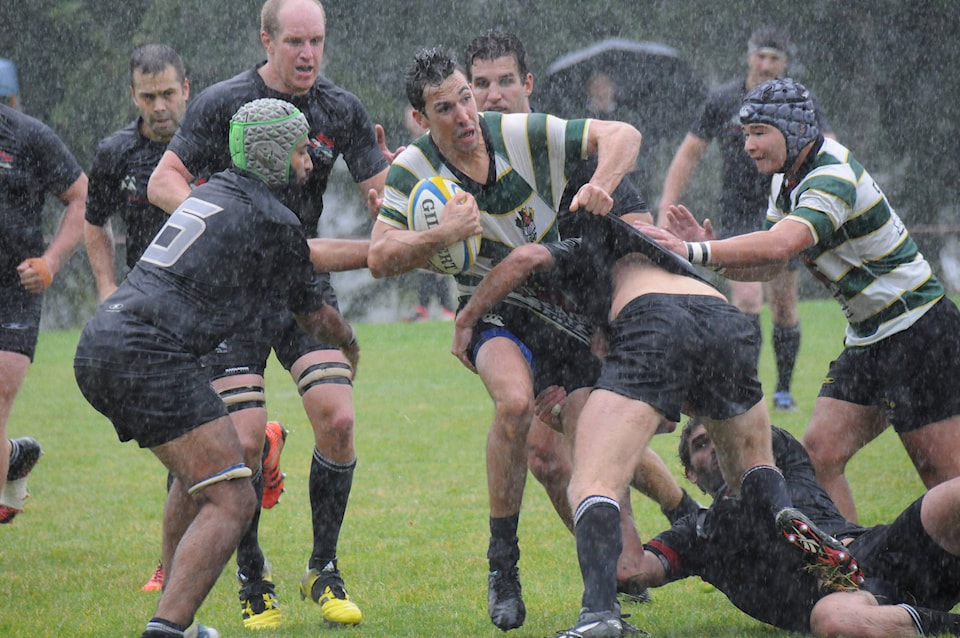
{"points": [[263, 135], [785, 105]]}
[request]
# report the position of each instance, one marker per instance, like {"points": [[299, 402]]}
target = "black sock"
{"points": [[786, 346], [160, 628], [686, 506], [330, 485], [504, 549], [599, 543], [932, 622], [250, 559], [763, 486]]}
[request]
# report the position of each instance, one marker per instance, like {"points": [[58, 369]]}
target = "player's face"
{"points": [[766, 146], [764, 65], [300, 162], [451, 114], [295, 54], [703, 461], [161, 99], [497, 86]]}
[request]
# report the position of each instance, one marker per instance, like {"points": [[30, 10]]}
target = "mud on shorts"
{"points": [[555, 357], [911, 374], [668, 350], [19, 320]]}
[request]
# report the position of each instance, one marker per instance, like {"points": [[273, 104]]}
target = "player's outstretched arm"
{"points": [[504, 278], [337, 255]]}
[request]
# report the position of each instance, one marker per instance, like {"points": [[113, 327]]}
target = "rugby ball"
{"points": [[425, 209]]}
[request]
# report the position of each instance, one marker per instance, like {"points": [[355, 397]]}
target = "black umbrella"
{"points": [[656, 90]]}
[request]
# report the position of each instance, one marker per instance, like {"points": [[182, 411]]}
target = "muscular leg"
{"points": [[935, 450], [940, 515], [837, 430], [13, 371], [223, 510], [328, 402], [859, 615], [614, 433], [509, 382], [244, 398], [548, 456]]}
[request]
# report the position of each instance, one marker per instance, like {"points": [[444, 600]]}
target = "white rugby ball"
{"points": [[426, 207]]}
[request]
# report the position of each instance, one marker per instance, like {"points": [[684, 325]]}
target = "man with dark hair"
{"points": [[501, 81], [293, 33], [139, 358], [34, 163], [827, 209], [512, 198], [743, 197], [910, 565], [125, 160], [121, 169]]}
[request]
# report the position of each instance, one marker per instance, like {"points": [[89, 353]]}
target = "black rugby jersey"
{"points": [[230, 248], [34, 162], [118, 184], [339, 126]]}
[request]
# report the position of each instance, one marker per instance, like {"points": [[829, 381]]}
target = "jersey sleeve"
{"points": [[57, 167], [361, 153], [677, 548], [710, 121], [305, 286], [103, 192], [202, 141]]}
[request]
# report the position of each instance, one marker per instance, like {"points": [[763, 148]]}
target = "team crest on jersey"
{"points": [[129, 185], [526, 223], [323, 146], [6, 159]]}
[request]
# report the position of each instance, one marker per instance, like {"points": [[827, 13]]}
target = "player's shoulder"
{"points": [[121, 140], [334, 98], [227, 94]]}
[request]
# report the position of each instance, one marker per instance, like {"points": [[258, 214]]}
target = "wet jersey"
{"points": [[533, 156], [744, 189], [34, 162], [741, 553], [583, 266], [207, 273], [339, 126], [118, 184], [863, 253]]}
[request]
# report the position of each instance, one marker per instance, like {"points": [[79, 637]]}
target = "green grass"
{"points": [[414, 542]]}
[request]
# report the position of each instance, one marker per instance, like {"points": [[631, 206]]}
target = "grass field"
{"points": [[414, 542]]}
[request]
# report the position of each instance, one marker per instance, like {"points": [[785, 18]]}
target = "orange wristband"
{"points": [[42, 268]]}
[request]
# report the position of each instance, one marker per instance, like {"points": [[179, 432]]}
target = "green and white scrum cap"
{"points": [[263, 135]]}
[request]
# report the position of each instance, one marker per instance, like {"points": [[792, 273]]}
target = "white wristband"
{"points": [[698, 252]]}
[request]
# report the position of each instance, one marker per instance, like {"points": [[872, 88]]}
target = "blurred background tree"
{"points": [[884, 71]]}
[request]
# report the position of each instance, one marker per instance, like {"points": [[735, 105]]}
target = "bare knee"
{"points": [[843, 614]]}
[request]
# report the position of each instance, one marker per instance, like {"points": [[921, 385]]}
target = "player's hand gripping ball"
{"points": [[427, 200]]}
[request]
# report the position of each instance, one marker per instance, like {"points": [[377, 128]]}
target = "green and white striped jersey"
{"points": [[534, 155], [863, 252]]}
